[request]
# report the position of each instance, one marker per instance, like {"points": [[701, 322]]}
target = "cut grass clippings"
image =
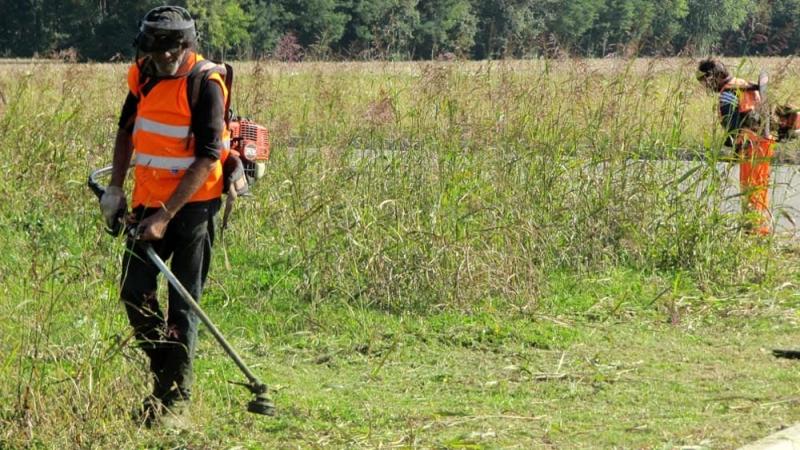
{"points": [[628, 377]]}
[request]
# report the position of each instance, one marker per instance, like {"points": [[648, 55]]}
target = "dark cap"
{"points": [[167, 18], [711, 67], [165, 27]]}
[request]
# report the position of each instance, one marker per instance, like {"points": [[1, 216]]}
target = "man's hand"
{"points": [[111, 203], [153, 227]]}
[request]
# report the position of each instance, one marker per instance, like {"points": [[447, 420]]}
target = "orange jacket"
{"points": [[747, 94], [162, 139]]}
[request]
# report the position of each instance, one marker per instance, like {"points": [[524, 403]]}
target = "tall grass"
{"points": [[418, 184], [397, 186], [443, 185]]}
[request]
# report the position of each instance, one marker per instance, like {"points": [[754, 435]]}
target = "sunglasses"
{"points": [[162, 42]]}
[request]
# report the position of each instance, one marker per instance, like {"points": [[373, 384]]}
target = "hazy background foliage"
{"points": [[413, 29]]}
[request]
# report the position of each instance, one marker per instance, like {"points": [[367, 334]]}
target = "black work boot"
{"points": [[150, 412], [171, 413], [176, 415]]}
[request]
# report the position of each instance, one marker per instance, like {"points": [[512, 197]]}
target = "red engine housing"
{"points": [[250, 140], [789, 122]]}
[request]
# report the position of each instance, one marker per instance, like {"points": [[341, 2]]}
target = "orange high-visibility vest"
{"points": [[162, 140], [747, 93]]}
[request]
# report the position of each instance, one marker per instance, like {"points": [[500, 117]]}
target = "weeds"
{"points": [[439, 232]]}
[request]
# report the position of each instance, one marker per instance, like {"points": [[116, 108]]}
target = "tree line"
{"points": [[412, 29]]}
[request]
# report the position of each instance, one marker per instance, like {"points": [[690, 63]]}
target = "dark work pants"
{"points": [[169, 340]]}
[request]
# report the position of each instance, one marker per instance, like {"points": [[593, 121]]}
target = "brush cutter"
{"points": [[261, 404]]}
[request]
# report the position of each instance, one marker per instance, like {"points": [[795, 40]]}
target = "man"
{"points": [[739, 110], [738, 99], [177, 188]]}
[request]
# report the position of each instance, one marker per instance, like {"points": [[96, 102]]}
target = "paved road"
{"points": [[784, 196], [788, 439], [784, 193]]}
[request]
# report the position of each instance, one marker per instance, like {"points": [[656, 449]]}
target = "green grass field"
{"points": [[441, 255]]}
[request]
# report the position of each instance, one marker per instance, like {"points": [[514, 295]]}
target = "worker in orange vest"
{"points": [[739, 110], [176, 152]]}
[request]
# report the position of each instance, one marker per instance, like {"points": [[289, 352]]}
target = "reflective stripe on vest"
{"points": [[172, 131], [169, 162], [173, 164], [151, 126]]}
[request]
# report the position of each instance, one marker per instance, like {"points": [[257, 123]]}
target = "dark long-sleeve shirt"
{"points": [[729, 111]]}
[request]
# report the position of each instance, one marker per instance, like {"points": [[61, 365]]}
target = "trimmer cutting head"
{"points": [[261, 405]]}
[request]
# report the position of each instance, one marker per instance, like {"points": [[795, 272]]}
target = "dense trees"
{"points": [[421, 29]]}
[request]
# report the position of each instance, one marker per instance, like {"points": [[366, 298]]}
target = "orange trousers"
{"points": [[754, 168]]}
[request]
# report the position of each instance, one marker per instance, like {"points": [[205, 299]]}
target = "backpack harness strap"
{"points": [[198, 78]]}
